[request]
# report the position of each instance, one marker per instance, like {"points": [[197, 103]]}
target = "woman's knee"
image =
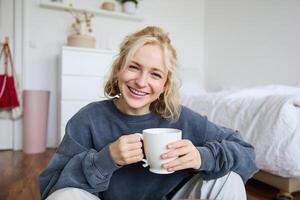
{"points": [[71, 193], [233, 188], [230, 186], [235, 178]]}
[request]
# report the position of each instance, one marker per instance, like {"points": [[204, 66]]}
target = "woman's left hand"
{"points": [[188, 156]]}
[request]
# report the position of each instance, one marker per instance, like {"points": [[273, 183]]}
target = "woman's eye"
{"points": [[156, 75], [133, 67]]}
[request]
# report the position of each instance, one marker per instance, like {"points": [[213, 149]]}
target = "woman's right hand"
{"points": [[127, 149]]}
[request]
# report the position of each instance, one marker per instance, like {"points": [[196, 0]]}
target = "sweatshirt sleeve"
{"points": [[76, 163], [224, 151]]}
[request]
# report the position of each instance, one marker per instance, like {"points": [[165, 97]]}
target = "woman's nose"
{"points": [[141, 80]]}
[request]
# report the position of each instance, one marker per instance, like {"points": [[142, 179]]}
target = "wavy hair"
{"points": [[168, 103]]}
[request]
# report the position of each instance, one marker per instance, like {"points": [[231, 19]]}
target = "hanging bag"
{"points": [[12, 107], [8, 92]]}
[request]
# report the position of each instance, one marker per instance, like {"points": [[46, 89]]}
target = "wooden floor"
{"points": [[19, 172]]}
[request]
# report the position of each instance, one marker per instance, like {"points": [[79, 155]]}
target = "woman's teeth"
{"points": [[136, 92]]}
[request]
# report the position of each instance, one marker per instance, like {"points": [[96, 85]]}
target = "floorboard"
{"points": [[19, 177]]}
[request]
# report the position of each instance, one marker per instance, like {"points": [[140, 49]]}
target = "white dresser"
{"points": [[82, 76]]}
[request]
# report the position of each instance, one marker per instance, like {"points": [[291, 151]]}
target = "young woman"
{"points": [[100, 155]]}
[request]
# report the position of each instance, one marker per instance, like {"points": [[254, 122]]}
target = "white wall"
{"points": [[251, 43], [46, 30]]}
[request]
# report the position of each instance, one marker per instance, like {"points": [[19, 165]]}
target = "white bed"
{"points": [[268, 117]]}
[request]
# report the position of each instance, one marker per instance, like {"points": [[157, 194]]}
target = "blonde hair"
{"points": [[168, 103]]}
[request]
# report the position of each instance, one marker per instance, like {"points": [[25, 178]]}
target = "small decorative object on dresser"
{"points": [[82, 30], [129, 6], [108, 5], [77, 40]]}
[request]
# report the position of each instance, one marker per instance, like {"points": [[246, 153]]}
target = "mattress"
{"points": [[268, 117]]}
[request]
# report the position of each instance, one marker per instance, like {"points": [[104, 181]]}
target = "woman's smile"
{"points": [[137, 92]]}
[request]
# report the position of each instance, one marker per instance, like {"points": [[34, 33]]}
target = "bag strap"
{"points": [[8, 57], [14, 73], [3, 47], [2, 51], [4, 77]]}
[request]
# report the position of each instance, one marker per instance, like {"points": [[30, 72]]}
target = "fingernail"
{"points": [[170, 169], [169, 146]]}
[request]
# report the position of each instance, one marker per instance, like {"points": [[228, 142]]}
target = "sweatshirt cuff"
{"points": [[207, 159], [104, 162]]}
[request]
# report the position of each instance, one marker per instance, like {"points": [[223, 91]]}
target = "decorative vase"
{"points": [[110, 6], [35, 120], [129, 7], [82, 41]]}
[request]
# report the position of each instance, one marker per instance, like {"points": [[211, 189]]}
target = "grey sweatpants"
{"points": [[229, 186]]}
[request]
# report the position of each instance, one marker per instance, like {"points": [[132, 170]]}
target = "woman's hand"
{"points": [[188, 156], [127, 149]]}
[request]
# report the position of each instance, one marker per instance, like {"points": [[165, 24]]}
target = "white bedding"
{"points": [[268, 117]]}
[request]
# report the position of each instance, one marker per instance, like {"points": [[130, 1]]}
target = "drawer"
{"points": [[86, 63], [82, 88]]}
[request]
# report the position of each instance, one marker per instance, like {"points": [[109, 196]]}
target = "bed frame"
{"points": [[286, 186]]}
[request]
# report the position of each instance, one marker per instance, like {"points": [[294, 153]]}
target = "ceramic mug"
{"points": [[155, 142]]}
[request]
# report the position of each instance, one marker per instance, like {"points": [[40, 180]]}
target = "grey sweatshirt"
{"points": [[83, 159]]}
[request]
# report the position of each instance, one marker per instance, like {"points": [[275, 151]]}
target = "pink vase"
{"points": [[35, 120]]}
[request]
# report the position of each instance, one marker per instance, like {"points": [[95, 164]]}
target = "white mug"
{"points": [[155, 144]]}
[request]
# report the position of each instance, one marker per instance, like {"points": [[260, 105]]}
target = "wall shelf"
{"points": [[100, 12]]}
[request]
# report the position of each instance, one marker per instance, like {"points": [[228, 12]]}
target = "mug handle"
{"points": [[146, 164]]}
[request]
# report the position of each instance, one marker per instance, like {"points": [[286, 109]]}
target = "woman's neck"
{"points": [[121, 104]]}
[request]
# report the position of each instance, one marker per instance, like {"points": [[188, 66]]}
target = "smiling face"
{"points": [[142, 81]]}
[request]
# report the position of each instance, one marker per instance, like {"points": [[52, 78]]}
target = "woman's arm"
{"points": [[76, 163], [224, 151]]}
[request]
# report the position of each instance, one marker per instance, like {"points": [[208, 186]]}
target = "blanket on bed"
{"points": [[268, 117]]}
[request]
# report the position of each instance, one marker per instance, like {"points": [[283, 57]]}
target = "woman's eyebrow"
{"points": [[136, 63], [159, 70], [153, 68]]}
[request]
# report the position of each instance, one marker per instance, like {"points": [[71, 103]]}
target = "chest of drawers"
{"points": [[82, 76]]}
